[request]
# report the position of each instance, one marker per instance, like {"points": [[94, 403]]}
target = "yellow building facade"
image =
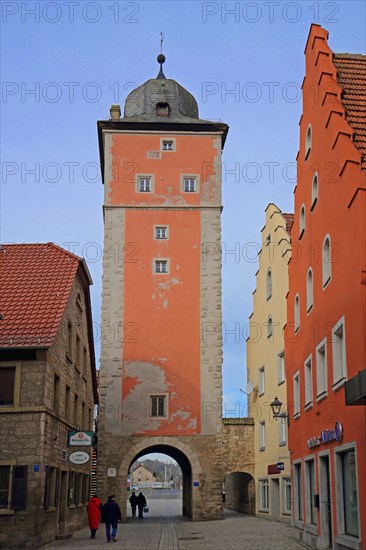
{"points": [[266, 368]]}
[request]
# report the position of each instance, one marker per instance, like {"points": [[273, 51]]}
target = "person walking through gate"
{"points": [[133, 502], [141, 503], [94, 514], [111, 514]]}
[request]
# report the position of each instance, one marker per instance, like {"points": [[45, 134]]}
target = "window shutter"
{"points": [[19, 490]]}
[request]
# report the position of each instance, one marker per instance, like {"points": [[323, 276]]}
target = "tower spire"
{"points": [[161, 57]]}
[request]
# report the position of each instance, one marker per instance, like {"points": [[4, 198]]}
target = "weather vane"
{"points": [[161, 42]]}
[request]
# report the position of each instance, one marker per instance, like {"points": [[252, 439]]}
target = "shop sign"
{"points": [[280, 465], [79, 457], [82, 439], [326, 436]]}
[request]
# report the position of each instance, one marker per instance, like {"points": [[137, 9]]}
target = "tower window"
{"points": [[189, 185], [144, 185], [162, 109], [167, 145], [314, 191], [161, 266], [308, 142], [158, 406], [161, 232]]}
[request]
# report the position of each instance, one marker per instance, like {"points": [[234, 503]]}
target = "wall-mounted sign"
{"points": [[80, 439], [196, 484], [79, 457], [280, 465], [112, 472], [272, 469], [326, 436], [35, 467]]}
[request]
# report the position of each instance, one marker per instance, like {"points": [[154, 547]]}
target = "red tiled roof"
{"points": [[351, 75], [36, 281], [289, 221]]}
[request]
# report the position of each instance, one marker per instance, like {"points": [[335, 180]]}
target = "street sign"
{"points": [[280, 465], [80, 439], [79, 457]]}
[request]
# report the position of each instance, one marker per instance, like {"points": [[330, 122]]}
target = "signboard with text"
{"points": [[80, 439]]}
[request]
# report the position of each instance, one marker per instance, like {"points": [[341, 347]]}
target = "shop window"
{"points": [[263, 495], [287, 499], [311, 511], [347, 493], [298, 492]]}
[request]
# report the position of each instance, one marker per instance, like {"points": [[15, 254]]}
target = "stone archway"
{"points": [[240, 492], [178, 451]]}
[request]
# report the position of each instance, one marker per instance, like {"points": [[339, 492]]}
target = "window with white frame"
{"points": [[263, 495], [167, 145], [321, 370], [308, 141], [281, 373], [262, 435], [339, 353], [286, 492], [144, 185], [347, 492], [161, 266], [261, 381], [309, 291], [161, 232], [308, 375], [158, 405], [310, 490], [298, 491], [189, 184], [297, 313], [314, 191], [269, 284], [296, 381], [269, 327], [282, 431], [302, 221], [326, 261]]}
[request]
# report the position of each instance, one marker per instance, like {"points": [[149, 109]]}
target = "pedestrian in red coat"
{"points": [[94, 515]]}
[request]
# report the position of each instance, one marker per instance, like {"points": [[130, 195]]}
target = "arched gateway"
{"points": [[161, 343]]}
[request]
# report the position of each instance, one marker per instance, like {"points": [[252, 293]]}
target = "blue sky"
{"points": [[65, 63]]}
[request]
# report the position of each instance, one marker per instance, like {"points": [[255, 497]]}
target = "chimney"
{"points": [[115, 112]]}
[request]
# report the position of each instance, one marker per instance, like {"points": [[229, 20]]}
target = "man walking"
{"points": [[141, 503], [111, 514], [133, 502]]}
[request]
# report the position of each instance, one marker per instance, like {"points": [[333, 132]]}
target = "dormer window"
{"points": [[162, 109]]}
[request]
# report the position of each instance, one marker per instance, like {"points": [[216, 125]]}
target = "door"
{"points": [[325, 502], [275, 499]]}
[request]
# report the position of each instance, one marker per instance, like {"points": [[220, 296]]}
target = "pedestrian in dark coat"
{"points": [[94, 515], [111, 514], [141, 503], [133, 502]]}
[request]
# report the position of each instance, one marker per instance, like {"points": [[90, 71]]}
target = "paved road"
{"points": [[158, 531]]}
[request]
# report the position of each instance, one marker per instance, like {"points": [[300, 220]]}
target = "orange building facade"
{"points": [[161, 352], [325, 332]]}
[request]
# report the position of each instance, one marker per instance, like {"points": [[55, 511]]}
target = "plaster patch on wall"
{"points": [[168, 285], [165, 303]]}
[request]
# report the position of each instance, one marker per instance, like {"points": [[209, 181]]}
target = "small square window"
{"points": [[167, 145], [144, 185], [189, 185], [161, 266], [158, 406], [161, 232]]}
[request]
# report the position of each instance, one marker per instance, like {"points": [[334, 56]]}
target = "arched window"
{"points": [[308, 141], [297, 313], [269, 284], [327, 261], [314, 191], [309, 290], [302, 221], [162, 109], [269, 327]]}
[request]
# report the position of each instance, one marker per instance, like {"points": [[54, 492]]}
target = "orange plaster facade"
{"points": [[339, 214], [162, 312]]}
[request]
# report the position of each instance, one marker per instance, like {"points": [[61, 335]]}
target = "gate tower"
{"points": [[161, 347]]}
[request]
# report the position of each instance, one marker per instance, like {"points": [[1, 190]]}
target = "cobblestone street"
{"points": [[235, 532]]}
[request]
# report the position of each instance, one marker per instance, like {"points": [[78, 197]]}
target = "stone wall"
{"points": [[238, 464]]}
